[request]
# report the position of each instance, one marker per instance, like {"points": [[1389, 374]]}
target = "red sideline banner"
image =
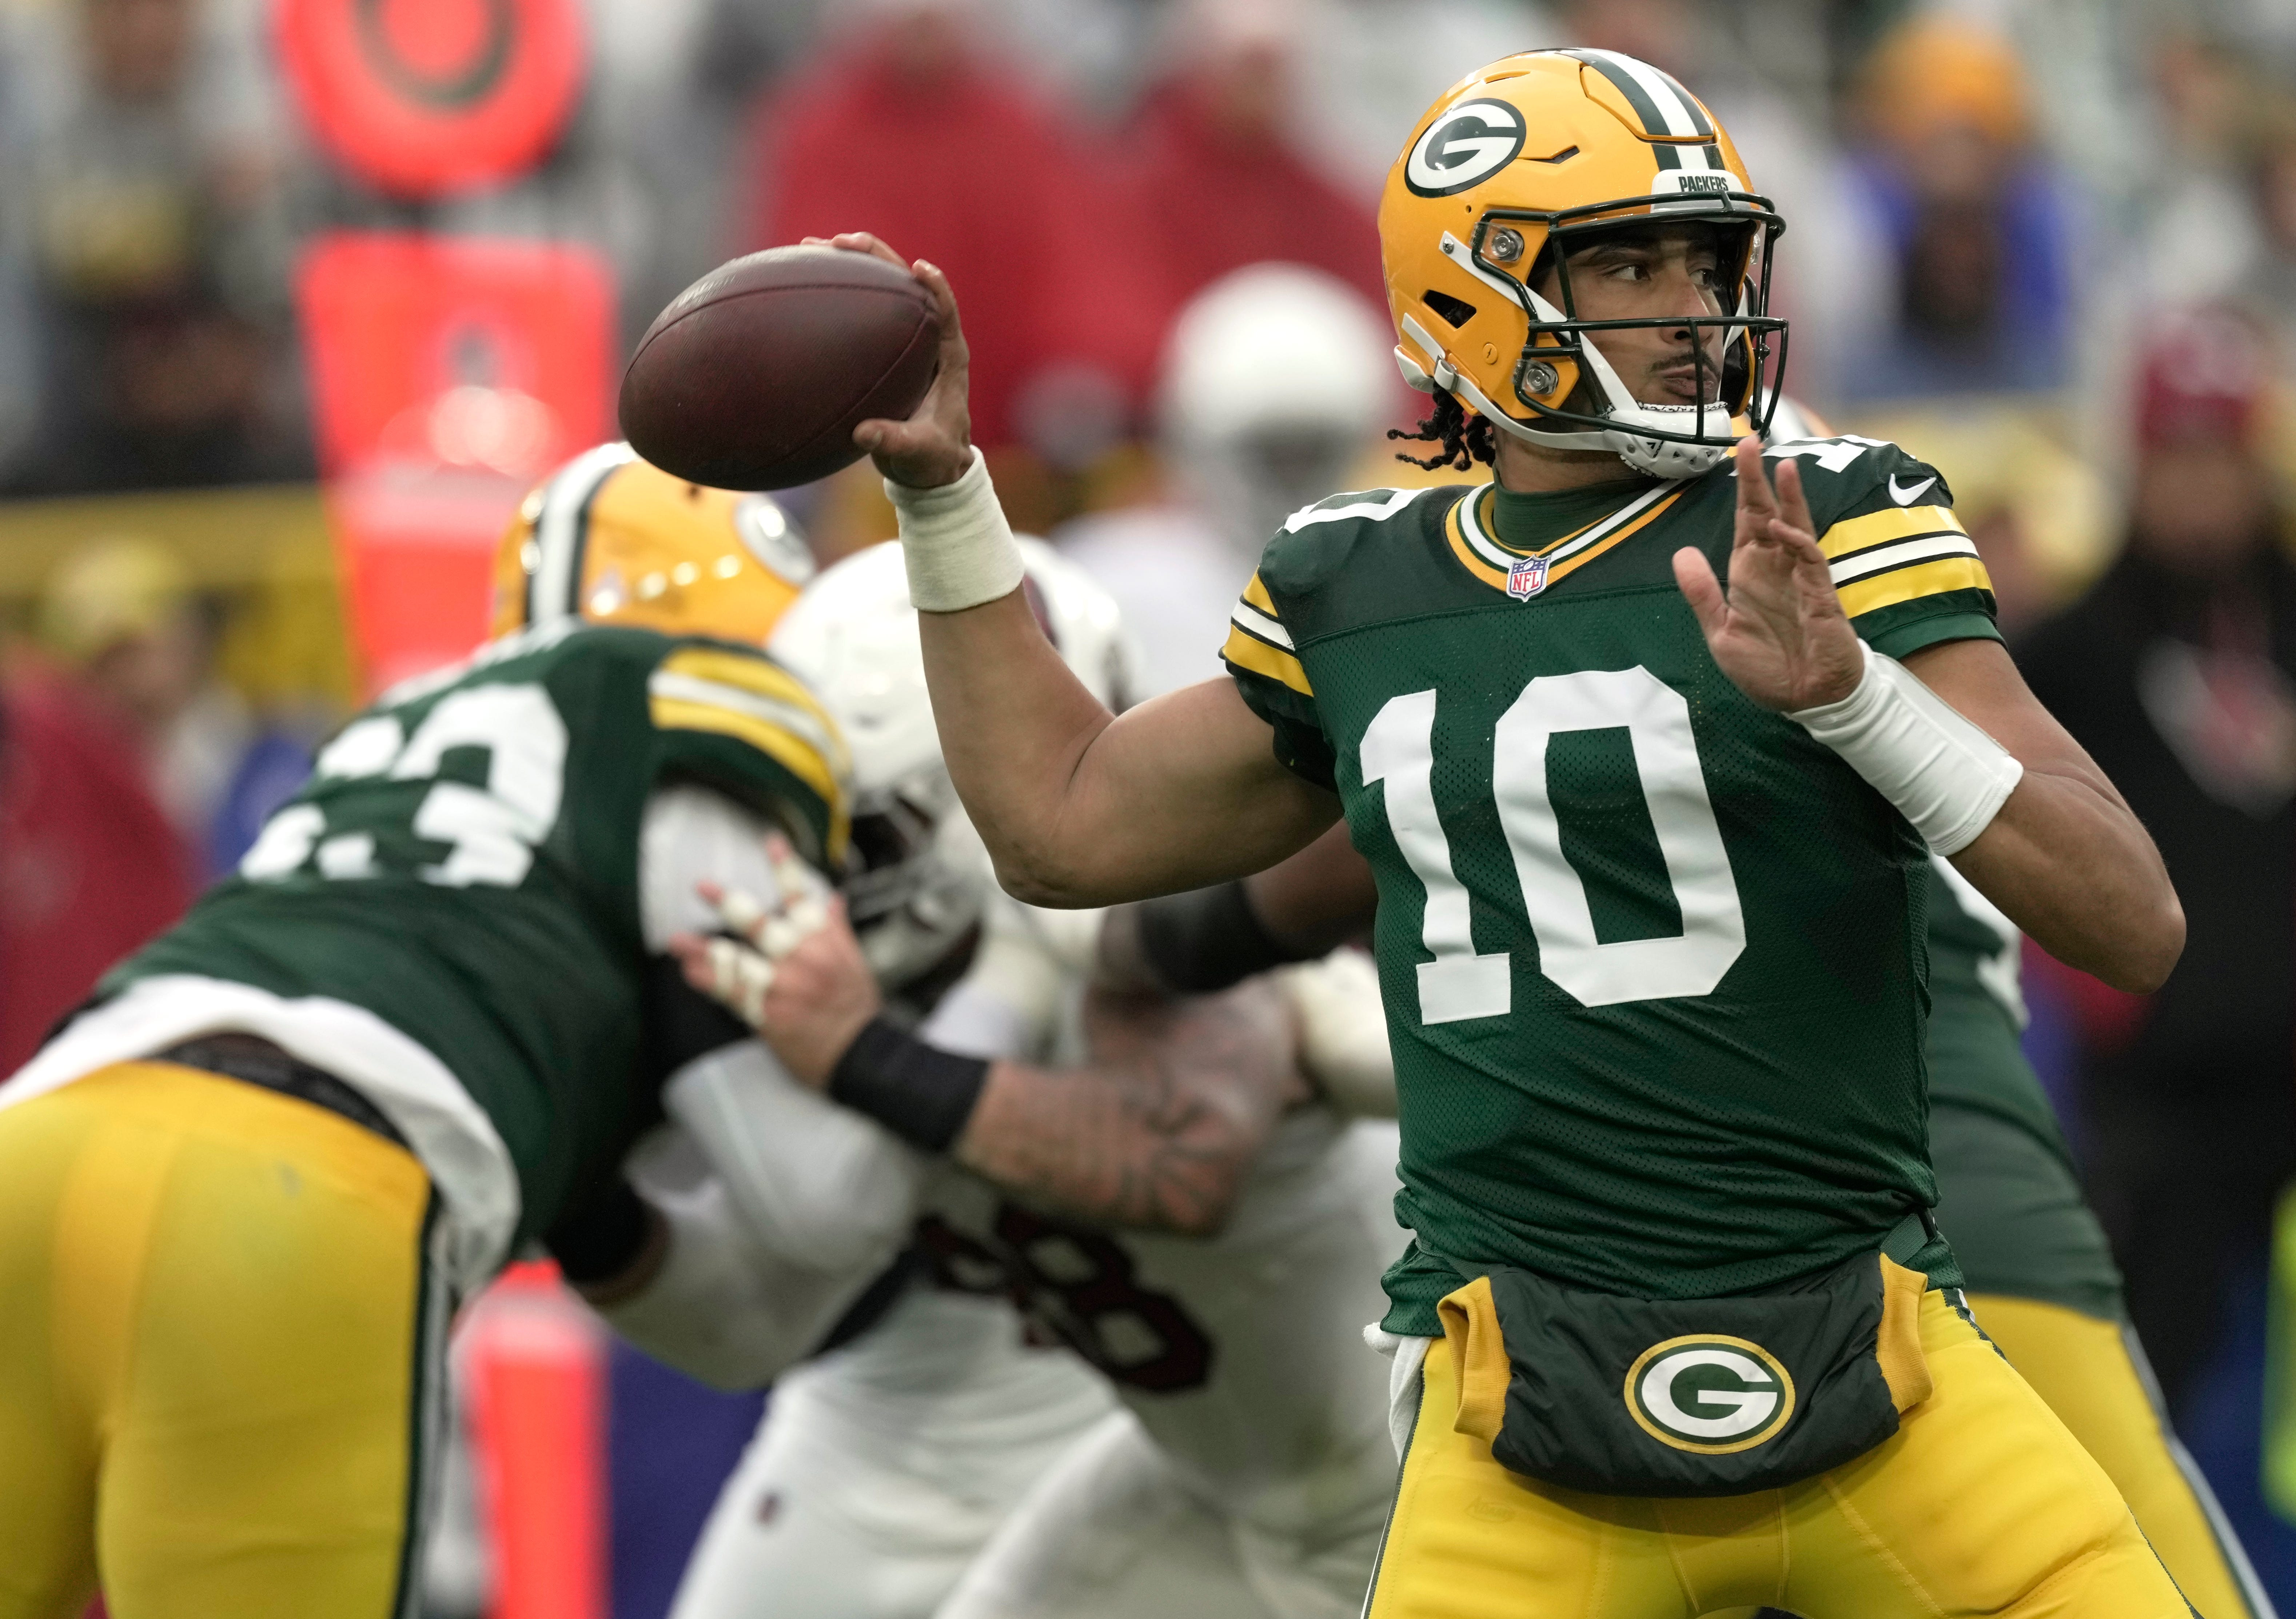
{"points": [[448, 375]]}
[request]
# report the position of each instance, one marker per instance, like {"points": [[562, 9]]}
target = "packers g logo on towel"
{"points": [[1466, 146], [1711, 1395]]}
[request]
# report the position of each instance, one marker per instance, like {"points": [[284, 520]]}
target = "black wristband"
{"points": [[599, 1237], [1207, 940], [920, 1092]]}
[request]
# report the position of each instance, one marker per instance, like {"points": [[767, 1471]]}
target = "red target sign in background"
{"points": [[421, 97]]}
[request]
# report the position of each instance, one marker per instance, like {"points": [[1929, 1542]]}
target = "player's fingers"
{"points": [[1796, 542], [695, 964], [863, 241], [794, 877], [742, 912], [1754, 496], [740, 978], [1694, 575], [944, 296], [881, 436], [1793, 503]]}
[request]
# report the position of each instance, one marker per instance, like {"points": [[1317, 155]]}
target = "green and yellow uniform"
{"points": [[1636, 932], [2040, 1275], [227, 1306], [1654, 963]]}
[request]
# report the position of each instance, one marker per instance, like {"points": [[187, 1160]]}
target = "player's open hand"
{"points": [[934, 446], [789, 968], [1778, 632]]}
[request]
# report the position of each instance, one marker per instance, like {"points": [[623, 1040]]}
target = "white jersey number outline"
{"points": [[494, 829], [1397, 749]]}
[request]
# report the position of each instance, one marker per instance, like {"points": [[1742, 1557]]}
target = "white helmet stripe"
{"points": [[1674, 108], [560, 530]]}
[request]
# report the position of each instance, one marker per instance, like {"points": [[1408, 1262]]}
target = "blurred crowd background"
{"points": [[2049, 245]]}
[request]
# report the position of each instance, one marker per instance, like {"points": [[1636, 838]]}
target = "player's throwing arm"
{"points": [[1952, 736], [1077, 807]]}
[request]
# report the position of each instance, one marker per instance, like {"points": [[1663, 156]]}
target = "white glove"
{"points": [[1343, 1032]]}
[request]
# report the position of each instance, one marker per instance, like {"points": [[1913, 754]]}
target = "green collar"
{"points": [[1531, 523]]}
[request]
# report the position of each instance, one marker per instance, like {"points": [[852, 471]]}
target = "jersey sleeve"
{"points": [[1260, 657], [1907, 572], [736, 720]]}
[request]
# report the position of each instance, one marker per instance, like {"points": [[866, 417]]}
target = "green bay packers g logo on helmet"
{"points": [[1463, 148], [1711, 1395]]}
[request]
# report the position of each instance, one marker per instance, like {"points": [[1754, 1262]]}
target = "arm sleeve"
{"points": [[1907, 572], [725, 1308], [1267, 671], [814, 1184]]}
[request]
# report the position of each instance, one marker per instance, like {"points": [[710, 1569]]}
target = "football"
{"points": [[756, 375]]}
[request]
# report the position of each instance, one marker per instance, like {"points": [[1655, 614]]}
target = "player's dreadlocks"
{"points": [[1461, 440]]}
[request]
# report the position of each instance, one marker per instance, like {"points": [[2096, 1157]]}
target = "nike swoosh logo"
{"points": [[1906, 497]]}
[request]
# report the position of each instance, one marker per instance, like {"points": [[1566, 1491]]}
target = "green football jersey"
{"points": [[463, 863], [1652, 956], [1977, 1012]]}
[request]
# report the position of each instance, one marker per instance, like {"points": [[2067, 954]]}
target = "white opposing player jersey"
{"points": [[1241, 1354]]}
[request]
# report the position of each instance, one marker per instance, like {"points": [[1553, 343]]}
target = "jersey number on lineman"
{"points": [[1399, 750], [494, 829]]}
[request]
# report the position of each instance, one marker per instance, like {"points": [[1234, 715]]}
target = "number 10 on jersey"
{"points": [[1398, 749]]}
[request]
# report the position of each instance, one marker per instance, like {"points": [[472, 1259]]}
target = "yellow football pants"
{"points": [[2082, 1367], [1981, 1503], [214, 1316]]}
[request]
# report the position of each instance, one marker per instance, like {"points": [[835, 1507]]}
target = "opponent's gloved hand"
{"points": [[791, 969], [738, 970]]}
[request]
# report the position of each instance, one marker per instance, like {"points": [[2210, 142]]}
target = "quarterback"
{"points": [[1648, 751], [419, 1031]]}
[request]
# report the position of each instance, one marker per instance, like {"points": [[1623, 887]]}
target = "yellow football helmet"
{"points": [[614, 540], [1512, 168]]}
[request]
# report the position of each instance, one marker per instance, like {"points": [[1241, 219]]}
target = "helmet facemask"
{"points": [[1572, 394]]}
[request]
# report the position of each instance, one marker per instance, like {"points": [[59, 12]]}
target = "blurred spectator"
{"points": [[2044, 521], [1957, 273], [1274, 380], [2178, 673], [1213, 160], [120, 613], [911, 128], [90, 863], [142, 174]]}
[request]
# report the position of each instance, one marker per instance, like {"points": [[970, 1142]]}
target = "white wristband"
{"points": [[1944, 775], [954, 538]]}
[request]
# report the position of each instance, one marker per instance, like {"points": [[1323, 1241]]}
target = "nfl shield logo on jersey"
{"points": [[1526, 578]]}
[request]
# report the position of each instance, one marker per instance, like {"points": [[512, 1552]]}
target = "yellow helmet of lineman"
{"points": [[1512, 167], [612, 539]]}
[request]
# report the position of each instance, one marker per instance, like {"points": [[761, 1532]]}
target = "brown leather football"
{"points": [[756, 375]]}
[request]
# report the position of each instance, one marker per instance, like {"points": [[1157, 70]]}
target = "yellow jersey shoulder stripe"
{"points": [[1862, 596], [791, 750], [1255, 595], [1879, 528], [750, 671], [1246, 650]]}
